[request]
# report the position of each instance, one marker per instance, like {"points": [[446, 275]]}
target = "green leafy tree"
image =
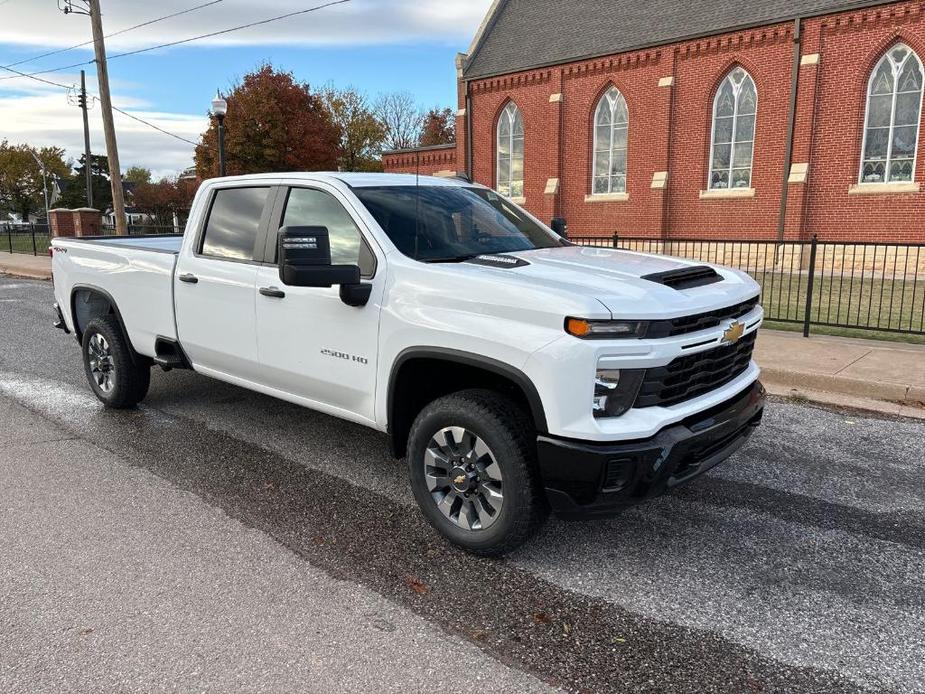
{"points": [[137, 175], [21, 176], [439, 128], [75, 192], [361, 133], [273, 124]]}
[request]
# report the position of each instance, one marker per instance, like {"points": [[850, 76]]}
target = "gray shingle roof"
{"points": [[525, 34]]}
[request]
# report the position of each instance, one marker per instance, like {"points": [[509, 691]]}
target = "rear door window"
{"points": [[234, 222]]}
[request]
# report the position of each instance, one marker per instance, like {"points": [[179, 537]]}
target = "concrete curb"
{"points": [[851, 402], [898, 393], [24, 273]]}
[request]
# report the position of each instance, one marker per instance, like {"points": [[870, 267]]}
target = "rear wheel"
{"points": [[117, 376], [472, 465]]}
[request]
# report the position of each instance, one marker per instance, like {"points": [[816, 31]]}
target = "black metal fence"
{"points": [[34, 239], [146, 229], [860, 286]]}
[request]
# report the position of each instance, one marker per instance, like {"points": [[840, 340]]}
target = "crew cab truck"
{"points": [[517, 373]]}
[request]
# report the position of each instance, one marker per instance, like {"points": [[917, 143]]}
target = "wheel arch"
{"points": [[100, 303], [411, 386]]}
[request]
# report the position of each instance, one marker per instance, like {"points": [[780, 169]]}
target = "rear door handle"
{"points": [[189, 279], [273, 292]]}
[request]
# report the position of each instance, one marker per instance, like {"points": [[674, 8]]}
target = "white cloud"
{"points": [[357, 22], [41, 116]]}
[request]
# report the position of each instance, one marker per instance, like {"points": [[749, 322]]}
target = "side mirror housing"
{"points": [[304, 257], [560, 226]]}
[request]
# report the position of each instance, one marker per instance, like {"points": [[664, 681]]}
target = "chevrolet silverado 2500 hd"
{"points": [[516, 372]]}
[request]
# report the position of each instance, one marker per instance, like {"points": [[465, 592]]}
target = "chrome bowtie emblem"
{"points": [[460, 479], [734, 333]]}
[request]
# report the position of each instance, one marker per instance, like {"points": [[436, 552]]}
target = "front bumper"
{"points": [[587, 480]]}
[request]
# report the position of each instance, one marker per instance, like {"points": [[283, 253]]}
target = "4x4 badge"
{"points": [[734, 333]]}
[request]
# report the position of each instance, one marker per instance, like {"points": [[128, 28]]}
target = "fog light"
{"points": [[615, 391]]}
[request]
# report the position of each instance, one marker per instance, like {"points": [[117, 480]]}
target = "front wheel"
{"points": [[119, 378], [473, 471]]}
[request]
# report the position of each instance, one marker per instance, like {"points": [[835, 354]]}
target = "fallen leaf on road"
{"points": [[416, 585]]}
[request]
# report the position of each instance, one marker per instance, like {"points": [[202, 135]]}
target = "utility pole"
{"points": [[82, 101], [109, 129]]}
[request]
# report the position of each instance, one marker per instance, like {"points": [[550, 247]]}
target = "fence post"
{"points": [[809, 286], [34, 252], [616, 240], [9, 236]]}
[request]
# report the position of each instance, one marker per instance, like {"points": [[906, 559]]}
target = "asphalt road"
{"points": [[218, 539]]}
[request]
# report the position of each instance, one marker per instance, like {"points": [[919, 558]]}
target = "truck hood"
{"points": [[615, 279]]}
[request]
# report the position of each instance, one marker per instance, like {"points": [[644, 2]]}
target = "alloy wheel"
{"points": [[464, 478], [102, 366]]}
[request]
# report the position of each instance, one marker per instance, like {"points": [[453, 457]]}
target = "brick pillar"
{"points": [[552, 194], [87, 221], [61, 222], [462, 116], [804, 125], [661, 153]]}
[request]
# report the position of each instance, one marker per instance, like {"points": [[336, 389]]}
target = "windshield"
{"points": [[449, 223]]}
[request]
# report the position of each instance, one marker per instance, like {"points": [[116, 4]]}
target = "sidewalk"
{"points": [[866, 374], [36, 267]]}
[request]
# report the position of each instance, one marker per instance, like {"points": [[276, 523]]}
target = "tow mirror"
{"points": [[304, 255], [305, 259]]}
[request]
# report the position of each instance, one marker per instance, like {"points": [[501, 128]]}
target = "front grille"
{"points": [[700, 321], [697, 374]]}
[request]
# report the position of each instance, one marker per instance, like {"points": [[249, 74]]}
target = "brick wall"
{"points": [[669, 91], [426, 161]]}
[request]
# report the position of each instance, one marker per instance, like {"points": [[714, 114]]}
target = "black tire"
{"points": [[130, 373], [509, 434]]}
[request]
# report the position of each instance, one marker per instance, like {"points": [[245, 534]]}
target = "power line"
{"points": [[33, 77], [151, 125], [116, 33], [228, 31], [114, 108], [189, 40]]}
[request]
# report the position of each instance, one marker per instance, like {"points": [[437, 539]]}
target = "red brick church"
{"points": [[711, 119]]}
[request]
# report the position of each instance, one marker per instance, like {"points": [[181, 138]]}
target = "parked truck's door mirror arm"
{"points": [[304, 256]]}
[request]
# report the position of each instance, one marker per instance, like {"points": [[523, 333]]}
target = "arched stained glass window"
{"points": [[611, 129], [734, 110], [511, 152], [891, 127]]}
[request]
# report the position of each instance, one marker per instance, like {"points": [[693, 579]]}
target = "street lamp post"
{"points": [[44, 184], [219, 109]]}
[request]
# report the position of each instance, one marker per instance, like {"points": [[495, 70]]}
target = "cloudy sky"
{"points": [[374, 45]]}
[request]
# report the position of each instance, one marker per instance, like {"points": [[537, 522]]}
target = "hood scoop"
{"points": [[686, 278]]}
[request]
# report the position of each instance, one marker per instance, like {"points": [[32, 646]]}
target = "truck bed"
{"points": [[164, 243], [135, 271]]}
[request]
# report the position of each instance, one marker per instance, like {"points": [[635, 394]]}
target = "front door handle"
{"points": [[189, 279], [273, 292]]}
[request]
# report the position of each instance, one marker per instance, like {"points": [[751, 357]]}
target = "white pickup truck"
{"points": [[515, 371]]}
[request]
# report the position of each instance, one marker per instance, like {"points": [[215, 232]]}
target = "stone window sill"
{"points": [[883, 188], [727, 194], [518, 201], [608, 197]]}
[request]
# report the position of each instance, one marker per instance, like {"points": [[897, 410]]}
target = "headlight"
{"points": [[615, 391], [605, 329]]}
